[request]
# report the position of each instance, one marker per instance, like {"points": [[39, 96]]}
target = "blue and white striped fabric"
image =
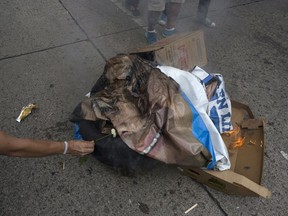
{"points": [[202, 126]]}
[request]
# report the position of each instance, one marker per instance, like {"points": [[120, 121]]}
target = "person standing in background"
{"points": [[202, 13], [155, 7]]}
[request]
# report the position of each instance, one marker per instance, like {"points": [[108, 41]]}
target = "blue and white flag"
{"points": [[203, 128], [219, 106]]}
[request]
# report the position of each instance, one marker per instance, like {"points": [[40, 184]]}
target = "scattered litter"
{"points": [[194, 206], [26, 111], [284, 154], [63, 165]]}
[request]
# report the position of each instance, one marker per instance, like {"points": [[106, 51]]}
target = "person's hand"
{"points": [[80, 147]]}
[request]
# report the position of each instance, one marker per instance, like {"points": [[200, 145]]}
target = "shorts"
{"points": [[159, 5]]}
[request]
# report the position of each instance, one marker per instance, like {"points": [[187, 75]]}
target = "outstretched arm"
{"points": [[25, 147]]}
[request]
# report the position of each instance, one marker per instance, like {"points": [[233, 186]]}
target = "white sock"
{"points": [[171, 29]]}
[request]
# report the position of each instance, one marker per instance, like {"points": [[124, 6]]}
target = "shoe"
{"points": [[151, 37], [168, 32], [206, 22], [162, 19]]}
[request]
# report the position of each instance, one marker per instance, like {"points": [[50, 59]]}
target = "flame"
{"points": [[238, 142], [235, 135], [233, 132]]}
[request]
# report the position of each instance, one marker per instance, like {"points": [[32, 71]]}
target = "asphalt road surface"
{"points": [[52, 52]]}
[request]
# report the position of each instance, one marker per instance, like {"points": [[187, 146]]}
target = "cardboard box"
{"points": [[183, 51], [244, 177], [186, 51]]}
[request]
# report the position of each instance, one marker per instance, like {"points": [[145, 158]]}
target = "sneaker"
{"points": [[168, 32], [206, 22], [151, 37], [162, 19]]}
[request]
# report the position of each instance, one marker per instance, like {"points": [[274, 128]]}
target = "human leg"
{"points": [[152, 19], [163, 17], [203, 8], [172, 11], [154, 10], [202, 13]]}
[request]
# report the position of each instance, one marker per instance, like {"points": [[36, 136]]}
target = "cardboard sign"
{"points": [[183, 51]]}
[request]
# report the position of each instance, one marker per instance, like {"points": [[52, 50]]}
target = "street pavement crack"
{"points": [[42, 50], [215, 200], [79, 26], [244, 4]]}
